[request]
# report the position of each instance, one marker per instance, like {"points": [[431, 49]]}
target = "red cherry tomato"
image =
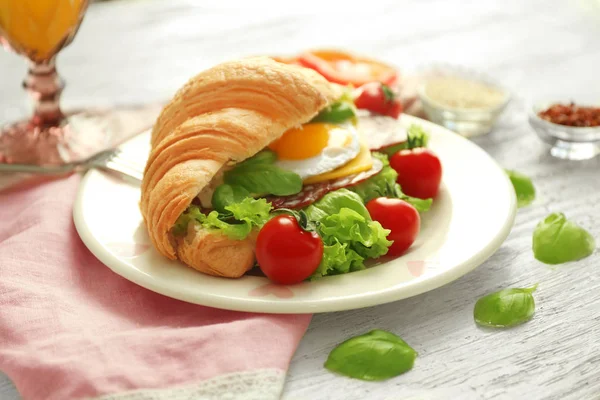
{"points": [[285, 252], [378, 98], [345, 68], [419, 172], [398, 216]]}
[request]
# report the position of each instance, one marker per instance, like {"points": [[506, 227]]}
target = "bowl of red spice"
{"points": [[572, 129]]}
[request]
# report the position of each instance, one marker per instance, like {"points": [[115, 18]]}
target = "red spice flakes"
{"points": [[572, 115]]}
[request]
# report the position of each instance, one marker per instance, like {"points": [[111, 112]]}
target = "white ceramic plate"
{"points": [[468, 222]]}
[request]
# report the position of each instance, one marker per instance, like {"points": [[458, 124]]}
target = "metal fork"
{"points": [[109, 160]]}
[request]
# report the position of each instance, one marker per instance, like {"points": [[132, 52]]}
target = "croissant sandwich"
{"points": [[248, 140]]}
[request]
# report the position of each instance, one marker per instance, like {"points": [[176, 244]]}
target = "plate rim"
{"points": [[383, 296]]}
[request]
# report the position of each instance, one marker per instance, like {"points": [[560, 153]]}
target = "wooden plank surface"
{"points": [[142, 51]]}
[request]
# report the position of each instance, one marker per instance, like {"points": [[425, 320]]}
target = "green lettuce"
{"points": [[236, 222], [416, 136], [338, 259], [384, 184], [349, 234], [225, 195]]}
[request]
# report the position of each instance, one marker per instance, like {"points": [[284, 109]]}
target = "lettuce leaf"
{"points": [[236, 223], [333, 202], [349, 234], [384, 184], [338, 259], [416, 136], [225, 195]]}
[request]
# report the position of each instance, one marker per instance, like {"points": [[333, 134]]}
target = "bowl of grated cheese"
{"points": [[463, 102]]}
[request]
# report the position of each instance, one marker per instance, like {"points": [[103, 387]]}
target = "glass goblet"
{"points": [[38, 30]]}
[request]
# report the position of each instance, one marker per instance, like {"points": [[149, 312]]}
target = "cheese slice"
{"points": [[362, 162]]}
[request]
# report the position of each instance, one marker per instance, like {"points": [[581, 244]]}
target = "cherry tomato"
{"points": [[345, 68], [378, 98], [419, 172], [401, 218], [285, 252]]}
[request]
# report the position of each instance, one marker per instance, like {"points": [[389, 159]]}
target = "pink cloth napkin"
{"points": [[71, 328]]}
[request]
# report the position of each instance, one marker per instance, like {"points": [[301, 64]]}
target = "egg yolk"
{"points": [[303, 142]]}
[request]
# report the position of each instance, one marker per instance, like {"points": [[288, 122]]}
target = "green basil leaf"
{"points": [[258, 175], [225, 195], [557, 240], [336, 113], [262, 157], [524, 188], [506, 308], [374, 356]]}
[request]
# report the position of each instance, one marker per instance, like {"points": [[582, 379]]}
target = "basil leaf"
{"points": [[374, 356], [524, 188], [262, 157], [506, 308], [336, 113], [557, 240], [259, 175], [225, 195]]}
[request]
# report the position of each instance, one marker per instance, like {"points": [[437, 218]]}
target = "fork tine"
{"points": [[117, 163], [118, 157]]}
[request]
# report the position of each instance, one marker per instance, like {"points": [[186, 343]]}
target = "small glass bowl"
{"points": [[568, 142], [468, 122]]}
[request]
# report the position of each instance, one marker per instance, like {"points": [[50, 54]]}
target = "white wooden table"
{"points": [[142, 51]]}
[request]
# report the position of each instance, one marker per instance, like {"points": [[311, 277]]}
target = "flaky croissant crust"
{"points": [[225, 114]]}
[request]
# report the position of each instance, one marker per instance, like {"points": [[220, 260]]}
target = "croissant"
{"points": [[220, 117]]}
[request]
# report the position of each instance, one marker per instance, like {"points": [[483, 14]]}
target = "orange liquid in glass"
{"points": [[38, 28]]}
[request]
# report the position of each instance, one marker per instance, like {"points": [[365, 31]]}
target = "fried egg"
{"points": [[316, 148]]}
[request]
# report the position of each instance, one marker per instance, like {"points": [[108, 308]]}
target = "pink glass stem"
{"points": [[45, 87]]}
